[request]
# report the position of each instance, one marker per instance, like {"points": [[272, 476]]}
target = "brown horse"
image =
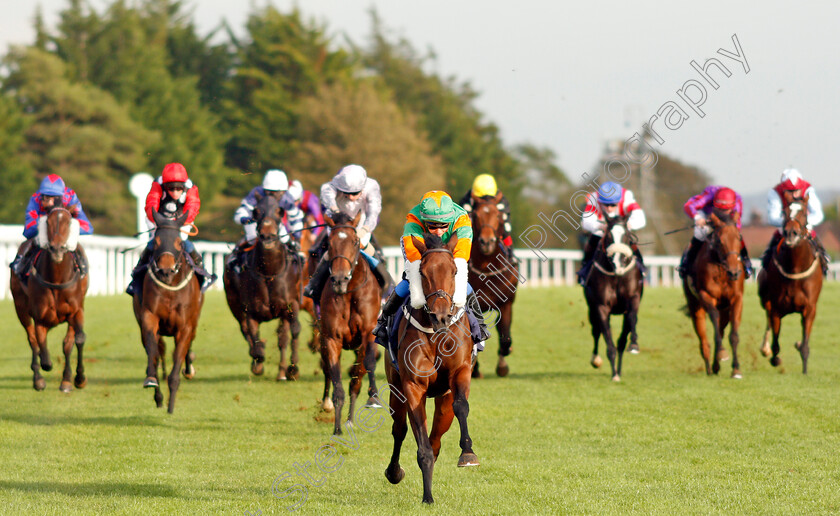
{"points": [[54, 294], [267, 288], [348, 314], [435, 360], [716, 286], [168, 303], [791, 283], [614, 287], [491, 275]]}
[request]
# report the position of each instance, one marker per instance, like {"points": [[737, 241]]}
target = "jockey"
{"points": [[793, 188], [484, 185], [724, 203], [51, 192], [276, 184], [172, 194], [610, 200], [438, 215], [350, 192], [308, 203]]}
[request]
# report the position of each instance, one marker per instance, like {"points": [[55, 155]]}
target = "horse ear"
{"points": [[475, 200], [258, 195], [498, 197], [158, 218], [420, 245], [329, 221], [715, 220], [452, 242], [180, 220], [736, 217], [357, 218]]}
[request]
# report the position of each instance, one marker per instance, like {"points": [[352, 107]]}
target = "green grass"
{"points": [[556, 437]]}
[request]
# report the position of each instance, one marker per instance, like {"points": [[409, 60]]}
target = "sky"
{"points": [[571, 75]]}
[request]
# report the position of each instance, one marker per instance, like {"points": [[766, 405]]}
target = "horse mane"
{"points": [[726, 218], [433, 241], [342, 218]]}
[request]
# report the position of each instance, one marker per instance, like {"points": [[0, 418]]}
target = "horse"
{"points": [[716, 286], [615, 286], [54, 294], [791, 283], [168, 303], [267, 288], [492, 276], [435, 360], [349, 308]]}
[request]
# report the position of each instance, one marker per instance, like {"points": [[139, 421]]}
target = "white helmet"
{"points": [[296, 190], [275, 181], [350, 179]]}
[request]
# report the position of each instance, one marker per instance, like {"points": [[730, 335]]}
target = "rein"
{"points": [[163, 285], [58, 286], [353, 263]]}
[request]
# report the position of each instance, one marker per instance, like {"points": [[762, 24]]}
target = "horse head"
{"points": [[343, 251], [726, 243], [168, 253], [487, 222], [616, 243], [796, 222], [437, 272], [60, 234], [269, 217]]}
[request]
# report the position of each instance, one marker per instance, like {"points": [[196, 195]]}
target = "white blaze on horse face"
{"points": [[618, 233], [794, 209], [342, 235]]}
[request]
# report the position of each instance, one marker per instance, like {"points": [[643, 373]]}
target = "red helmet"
{"points": [[174, 173], [724, 199]]}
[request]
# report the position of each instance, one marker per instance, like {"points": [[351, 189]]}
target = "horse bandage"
{"points": [[73, 235], [415, 284], [42, 238], [461, 276]]}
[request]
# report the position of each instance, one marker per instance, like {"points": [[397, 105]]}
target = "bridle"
{"points": [[717, 247], [354, 261], [439, 293], [179, 260], [604, 250]]}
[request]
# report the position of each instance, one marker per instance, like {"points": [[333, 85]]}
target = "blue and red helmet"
{"points": [[52, 185], [609, 193]]}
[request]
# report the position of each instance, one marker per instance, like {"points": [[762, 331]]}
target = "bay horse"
{"points": [[267, 288], [168, 303], [349, 308], [492, 276], [435, 361], [54, 294], [614, 287], [716, 286], [791, 282]]}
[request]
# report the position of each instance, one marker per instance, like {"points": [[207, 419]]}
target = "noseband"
{"points": [[439, 292]]}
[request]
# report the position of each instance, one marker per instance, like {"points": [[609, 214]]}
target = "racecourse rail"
{"points": [[112, 259]]}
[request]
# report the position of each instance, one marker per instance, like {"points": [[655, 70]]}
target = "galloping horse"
{"points": [[268, 288], [55, 293], [168, 303], [615, 286], [348, 314], [716, 286], [791, 282], [492, 276], [435, 360]]}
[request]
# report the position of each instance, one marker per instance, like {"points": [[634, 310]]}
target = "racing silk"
{"points": [[702, 204], [160, 201], [504, 207], [71, 201], [309, 205], [369, 203], [459, 224], [593, 219], [293, 214], [775, 206]]}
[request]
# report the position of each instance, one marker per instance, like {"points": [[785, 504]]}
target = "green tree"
{"points": [[18, 177]]}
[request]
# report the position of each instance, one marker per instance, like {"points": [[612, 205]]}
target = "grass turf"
{"points": [[554, 437]]}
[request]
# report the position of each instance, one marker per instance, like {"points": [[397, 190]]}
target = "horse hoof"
{"points": [[373, 403], [46, 366], [189, 372], [395, 478], [797, 345], [775, 361], [40, 384], [467, 460], [476, 373], [633, 349], [65, 387], [715, 368], [328, 406], [596, 361], [502, 370], [723, 355], [281, 377], [616, 378], [293, 372], [257, 368], [80, 382], [150, 381], [765, 350], [191, 354], [158, 399], [736, 375]]}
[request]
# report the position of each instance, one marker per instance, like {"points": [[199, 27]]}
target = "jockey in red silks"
{"points": [[724, 203], [793, 188], [609, 201], [51, 193], [172, 194]]}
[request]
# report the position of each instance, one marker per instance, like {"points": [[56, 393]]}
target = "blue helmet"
{"points": [[52, 185], [609, 193]]}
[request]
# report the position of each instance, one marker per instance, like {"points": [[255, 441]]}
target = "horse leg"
{"points": [[394, 473], [505, 341], [765, 345], [734, 317], [41, 335], [714, 315], [460, 386], [417, 415], [282, 343], [294, 327], [699, 320], [595, 323], [628, 327], [776, 326], [808, 316], [357, 372], [183, 340], [370, 366], [444, 415], [326, 402], [38, 382], [604, 321], [331, 355], [78, 324], [250, 329], [67, 346]]}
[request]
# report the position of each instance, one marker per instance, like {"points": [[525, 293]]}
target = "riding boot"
{"points": [[639, 260], [208, 278], [586, 262], [317, 281], [383, 277], [145, 256], [474, 306], [388, 310], [822, 254], [22, 262], [745, 259], [687, 261], [768, 253], [81, 261]]}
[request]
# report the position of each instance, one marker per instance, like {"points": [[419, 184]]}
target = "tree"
{"points": [[18, 177]]}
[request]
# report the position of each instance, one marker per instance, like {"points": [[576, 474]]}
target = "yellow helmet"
{"points": [[484, 184]]}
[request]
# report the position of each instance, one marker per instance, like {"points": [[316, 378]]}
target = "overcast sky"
{"points": [[569, 75]]}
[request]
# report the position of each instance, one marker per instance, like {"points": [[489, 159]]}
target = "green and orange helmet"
{"points": [[437, 209]]}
